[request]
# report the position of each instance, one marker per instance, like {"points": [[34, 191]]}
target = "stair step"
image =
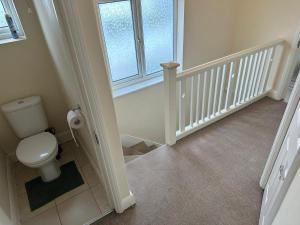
{"points": [[130, 151], [129, 158], [140, 148]]}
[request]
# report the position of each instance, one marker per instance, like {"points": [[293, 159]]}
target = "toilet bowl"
{"points": [[39, 151], [37, 148]]}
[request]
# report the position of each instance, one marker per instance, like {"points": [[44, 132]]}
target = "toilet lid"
{"points": [[36, 148]]}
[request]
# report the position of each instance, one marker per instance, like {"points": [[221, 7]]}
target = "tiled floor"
{"points": [[77, 207]]}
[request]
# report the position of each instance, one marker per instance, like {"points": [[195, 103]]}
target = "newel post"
{"points": [[170, 72]]}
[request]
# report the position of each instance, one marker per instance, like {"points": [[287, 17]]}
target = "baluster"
{"points": [[243, 79], [263, 65], [192, 102], [247, 78], [256, 74], [229, 86], [198, 99], [204, 97], [269, 65], [212, 73], [182, 89], [238, 81], [222, 87], [216, 91], [252, 75]]}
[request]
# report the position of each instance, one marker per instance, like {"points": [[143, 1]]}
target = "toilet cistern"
{"points": [[37, 149]]}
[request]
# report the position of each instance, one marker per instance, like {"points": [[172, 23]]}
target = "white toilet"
{"points": [[37, 149]]}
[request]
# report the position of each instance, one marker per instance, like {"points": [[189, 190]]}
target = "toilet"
{"points": [[37, 149]]}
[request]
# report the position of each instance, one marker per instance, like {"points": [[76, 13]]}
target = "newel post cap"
{"points": [[170, 65]]}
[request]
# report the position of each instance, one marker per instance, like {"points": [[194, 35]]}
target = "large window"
{"points": [[7, 7], [138, 36]]}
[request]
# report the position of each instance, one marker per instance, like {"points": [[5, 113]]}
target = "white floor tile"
{"points": [[101, 199], [49, 217], [25, 211], [71, 193], [90, 175], [75, 207], [79, 209], [81, 157]]}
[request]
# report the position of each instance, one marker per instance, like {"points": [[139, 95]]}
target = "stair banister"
{"points": [[170, 73], [209, 92]]}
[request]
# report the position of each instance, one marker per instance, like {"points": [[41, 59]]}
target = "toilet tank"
{"points": [[26, 116]]}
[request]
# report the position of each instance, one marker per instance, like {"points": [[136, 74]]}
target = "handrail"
{"points": [[207, 93], [229, 58]]}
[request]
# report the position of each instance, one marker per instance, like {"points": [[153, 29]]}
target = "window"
{"points": [[7, 7], [138, 35]]}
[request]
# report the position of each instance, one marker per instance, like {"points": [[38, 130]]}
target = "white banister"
{"points": [[170, 101], [209, 92]]}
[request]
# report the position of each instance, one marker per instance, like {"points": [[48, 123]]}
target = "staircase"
{"points": [[137, 150]]}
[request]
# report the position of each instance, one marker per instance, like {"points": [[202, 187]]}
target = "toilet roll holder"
{"points": [[76, 108]]}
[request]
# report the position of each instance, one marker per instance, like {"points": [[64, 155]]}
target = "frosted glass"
{"points": [[2, 16], [157, 16], [117, 25]]}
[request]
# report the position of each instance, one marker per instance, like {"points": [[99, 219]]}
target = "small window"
{"points": [[138, 35], [7, 7]]}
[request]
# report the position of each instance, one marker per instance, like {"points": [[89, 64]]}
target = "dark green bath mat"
{"points": [[40, 193]]}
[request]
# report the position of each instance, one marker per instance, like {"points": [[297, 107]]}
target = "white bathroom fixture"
{"points": [[37, 149]]}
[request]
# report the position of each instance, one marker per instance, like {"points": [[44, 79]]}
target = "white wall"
{"points": [[288, 213], [208, 31], [27, 69], [141, 114], [260, 21]]}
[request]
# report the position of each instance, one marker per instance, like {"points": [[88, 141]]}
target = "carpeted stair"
{"points": [[137, 150]]}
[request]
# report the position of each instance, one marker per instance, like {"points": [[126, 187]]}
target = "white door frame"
{"points": [[282, 130], [289, 112], [97, 104], [285, 123]]}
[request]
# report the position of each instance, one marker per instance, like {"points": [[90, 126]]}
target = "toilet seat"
{"points": [[37, 150]]}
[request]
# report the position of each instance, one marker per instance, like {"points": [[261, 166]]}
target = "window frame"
{"points": [[139, 45], [10, 8]]}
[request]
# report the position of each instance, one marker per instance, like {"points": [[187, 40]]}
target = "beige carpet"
{"points": [[137, 150], [208, 178]]}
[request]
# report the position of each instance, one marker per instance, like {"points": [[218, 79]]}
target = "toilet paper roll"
{"points": [[75, 121]]}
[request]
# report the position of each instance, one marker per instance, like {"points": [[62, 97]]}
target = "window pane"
{"points": [[157, 18], [2, 16], [117, 25]]}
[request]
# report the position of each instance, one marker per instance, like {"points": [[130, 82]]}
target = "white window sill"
{"points": [[11, 40], [136, 87]]}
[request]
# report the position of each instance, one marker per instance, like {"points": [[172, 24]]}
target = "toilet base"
{"points": [[50, 171]]}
